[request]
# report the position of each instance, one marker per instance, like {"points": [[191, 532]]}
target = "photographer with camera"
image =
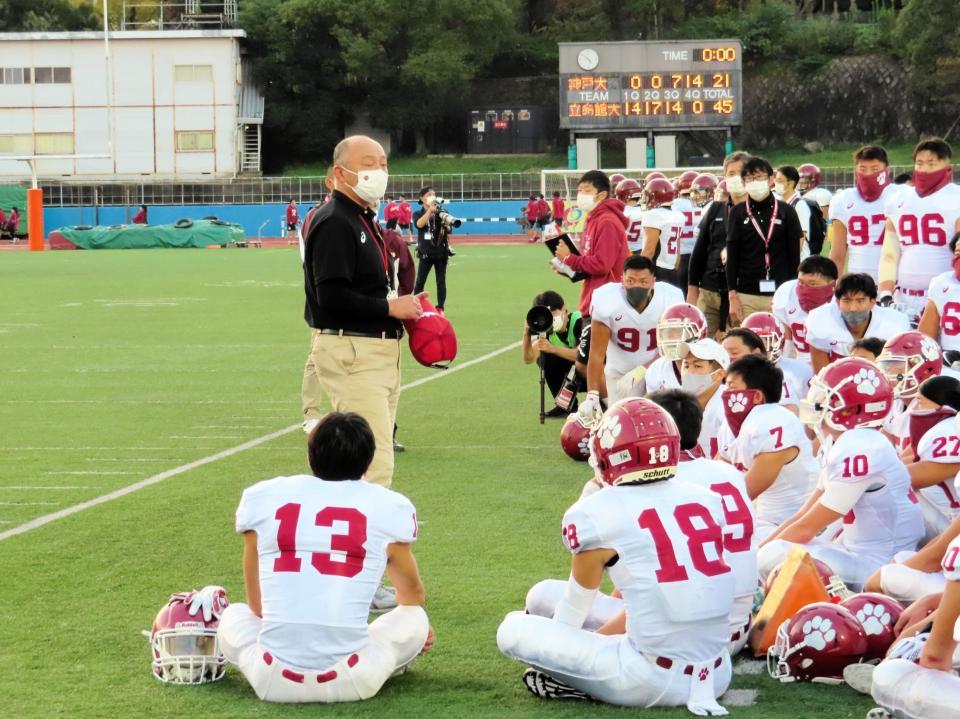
{"points": [[551, 335], [433, 248]]}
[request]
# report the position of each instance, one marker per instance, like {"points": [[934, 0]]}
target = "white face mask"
{"points": [[757, 189], [735, 185], [779, 188], [557, 322], [696, 383], [371, 184], [585, 201]]}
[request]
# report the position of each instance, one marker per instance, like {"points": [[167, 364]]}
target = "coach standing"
{"points": [[763, 244], [352, 303]]}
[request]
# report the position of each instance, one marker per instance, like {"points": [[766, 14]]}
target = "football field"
{"points": [[183, 368]]}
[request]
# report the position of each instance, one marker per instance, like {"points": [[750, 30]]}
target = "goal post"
{"points": [[565, 181]]}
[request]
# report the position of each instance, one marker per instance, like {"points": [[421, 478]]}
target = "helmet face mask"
{"points": [[848, 394], [679, 324], [187, 655], [907, 360], [765, 325]]}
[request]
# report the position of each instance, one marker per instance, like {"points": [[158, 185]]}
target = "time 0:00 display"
{"points": [[716, 54]]}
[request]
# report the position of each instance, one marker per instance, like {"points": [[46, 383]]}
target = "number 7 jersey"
{"points": [[322, 550]]}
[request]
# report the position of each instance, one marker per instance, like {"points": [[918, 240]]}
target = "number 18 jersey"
{"points": [[322, 550]]}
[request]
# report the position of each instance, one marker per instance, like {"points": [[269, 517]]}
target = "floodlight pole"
{"points": [[106, 57]]}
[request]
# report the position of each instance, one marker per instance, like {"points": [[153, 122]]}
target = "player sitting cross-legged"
{"points": [[315, 548], [663, 544], [864, 482]]}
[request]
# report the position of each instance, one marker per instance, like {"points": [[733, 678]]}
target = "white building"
{"points": [[182, 106]]}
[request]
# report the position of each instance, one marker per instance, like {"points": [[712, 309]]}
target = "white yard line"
{"points": [[44, 487], [167, 474]]}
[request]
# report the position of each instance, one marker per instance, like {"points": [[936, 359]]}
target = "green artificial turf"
{"points": [[118, 365]]}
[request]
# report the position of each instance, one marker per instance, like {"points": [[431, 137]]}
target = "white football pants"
{"points": [[607, 668], [908, 585], [543, 598], [913, 692], [854, 568], [396, 639]]}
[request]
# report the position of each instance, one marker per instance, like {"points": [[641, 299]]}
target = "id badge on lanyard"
{"points": [[766, 285]]}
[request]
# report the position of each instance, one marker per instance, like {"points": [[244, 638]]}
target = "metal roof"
{"points": [[122, 35]]}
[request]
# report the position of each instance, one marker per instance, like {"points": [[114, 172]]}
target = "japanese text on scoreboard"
{"points": [[651, 85]]}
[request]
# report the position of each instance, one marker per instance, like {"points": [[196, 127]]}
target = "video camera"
{"points": [[540, 320]]}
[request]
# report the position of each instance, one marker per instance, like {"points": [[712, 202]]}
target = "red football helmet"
{"points": [[678, 324], [636, 441], [685, 182], [816, 644], [658, 192], [831, 581], [432, 339], [907, 360], [616, 178], [628, 188], [655, 175], [721, 194], [575, 438], [877, 614], [851, 392], [810, 176], [766, 327], [185, 646], [702, 188]]}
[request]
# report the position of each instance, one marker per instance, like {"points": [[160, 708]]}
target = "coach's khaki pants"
{"points": [[362, 375], [755, 303], [710, 304], [310, 390]]}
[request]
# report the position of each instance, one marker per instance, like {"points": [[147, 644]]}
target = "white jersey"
{"points": [[713, 420], [635, 229], [691, 221], [796, 380], [865, 481], [771, 428], [827, 331], [941, 444], [819, 195], [803, 214], [924, 226], [951, 561], [740, 518], [866, 223], [897, 423], [672, 571], [662, 374], [323, 549], [633, 335], [945, 294], [789, 313], [671, 225]]}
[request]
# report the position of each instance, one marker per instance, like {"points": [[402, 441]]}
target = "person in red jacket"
{"points": [[293, 218], [391, 213], [559, 209], [405, 217], [532, 213], [141, 217]]}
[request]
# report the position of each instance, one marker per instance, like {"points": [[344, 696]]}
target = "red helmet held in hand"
{"points": [[432, 339], [575, 438]]}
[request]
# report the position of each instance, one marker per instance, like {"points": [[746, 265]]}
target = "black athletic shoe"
{"points": [[546, 687], [557, 412]]}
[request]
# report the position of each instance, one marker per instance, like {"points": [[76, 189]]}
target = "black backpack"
{"points": [[818, 227]]}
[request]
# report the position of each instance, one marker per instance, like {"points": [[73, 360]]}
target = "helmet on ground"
{"points": [[877, 614], [185, 646], [575, 438], [851, 392], [636, 441], [678, 324], [816, 644]]}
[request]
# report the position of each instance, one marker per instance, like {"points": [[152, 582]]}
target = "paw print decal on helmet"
{"points": [[867, 381], [584, 445], [737, 402], [874, 618], [609, 431], [929, 349], [818, 632]]}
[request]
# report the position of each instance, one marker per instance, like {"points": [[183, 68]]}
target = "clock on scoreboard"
{"points": [[680, 85]]}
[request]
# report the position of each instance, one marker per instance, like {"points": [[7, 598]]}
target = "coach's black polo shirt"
{"points": [[345, 270]]}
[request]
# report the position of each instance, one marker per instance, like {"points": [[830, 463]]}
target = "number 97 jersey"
{"points": [[865, 223]]}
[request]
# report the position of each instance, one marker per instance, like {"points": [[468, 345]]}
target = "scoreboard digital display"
{"points": [[678, 85]]}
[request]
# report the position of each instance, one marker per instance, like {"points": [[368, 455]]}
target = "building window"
{"points": [[15, 76], [51, 75], [54, 143], [16, 144], [193, 73], [195, 141]]}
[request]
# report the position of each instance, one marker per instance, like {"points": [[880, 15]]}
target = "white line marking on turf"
{"points": [[749, 666], [740, 697], [157, 478]]}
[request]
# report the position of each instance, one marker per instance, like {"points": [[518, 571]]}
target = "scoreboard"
{"points": [[677, 85]]}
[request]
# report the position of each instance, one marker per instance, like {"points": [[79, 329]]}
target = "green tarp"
{"points": [[127, 237], [12, 196]]}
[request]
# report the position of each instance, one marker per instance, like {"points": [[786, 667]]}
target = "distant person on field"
{"points": [[532, 213], [405, 217], [303, 634], [141, 217], [391, 213], [432, 245], [292, 219], [12, 223], [544, 218], [559, 209]]}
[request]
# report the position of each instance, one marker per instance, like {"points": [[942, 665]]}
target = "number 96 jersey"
{"points": [[672, 567], [924, 226], [945, 295], [633, 335]]}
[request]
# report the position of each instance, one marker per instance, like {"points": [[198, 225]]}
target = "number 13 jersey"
{"points": [[322, 550]]}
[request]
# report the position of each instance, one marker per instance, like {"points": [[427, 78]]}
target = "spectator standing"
{"points": [[559, 209], [532, 213], [432, 247], [141, 217], [352, 301], [763, 244], [544, 219], [707, 279], [391, 213], [293, 219], [405, 217]]}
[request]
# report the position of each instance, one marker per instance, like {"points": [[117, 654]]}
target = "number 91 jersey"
{"points": [[924, 226], [945, 295], [633, 335], [677, 585]]}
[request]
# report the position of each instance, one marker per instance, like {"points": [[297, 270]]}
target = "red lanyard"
{"points": [[381, 248], [769, 236]]}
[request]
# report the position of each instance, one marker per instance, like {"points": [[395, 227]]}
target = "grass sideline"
{"points": [[127, 363]]}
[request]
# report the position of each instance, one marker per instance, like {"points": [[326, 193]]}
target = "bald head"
{"points": [[357, 147]]}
